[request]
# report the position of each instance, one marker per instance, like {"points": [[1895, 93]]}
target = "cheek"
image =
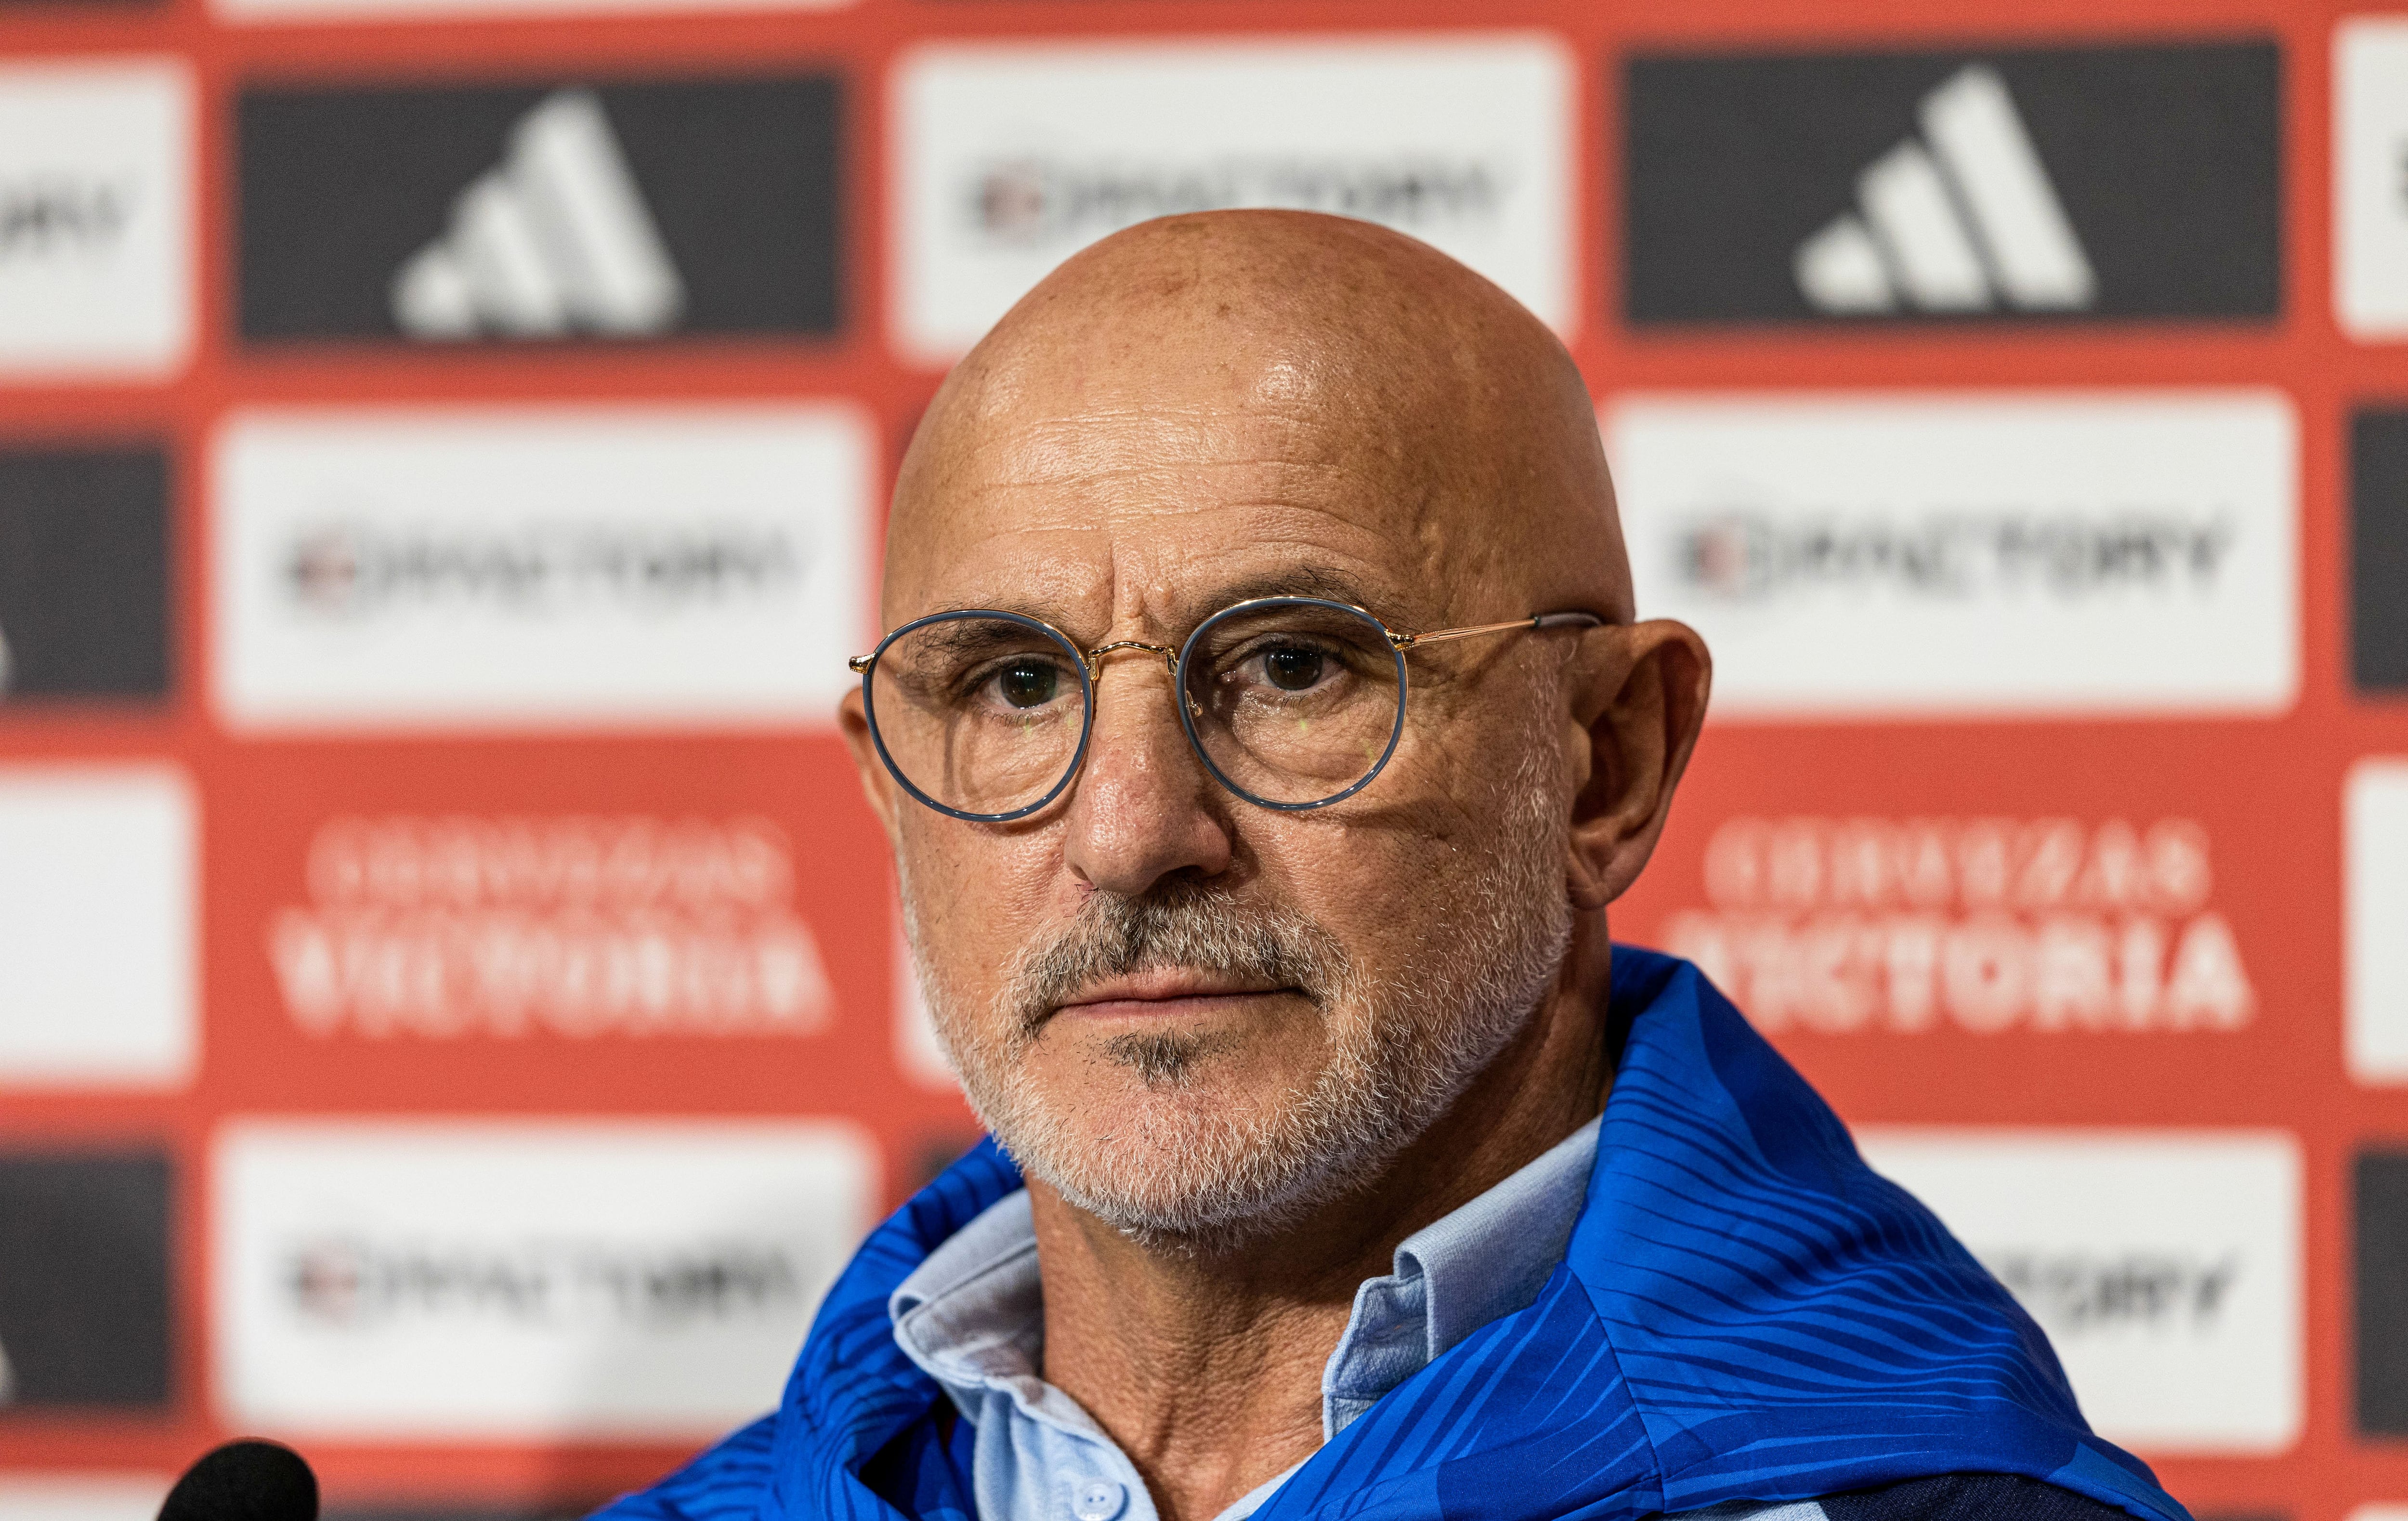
{"points": [[1369, 881], [977, 898], [1409, 880]]}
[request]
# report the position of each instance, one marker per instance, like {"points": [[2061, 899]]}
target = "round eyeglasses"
{"points": [[1291, 702]]}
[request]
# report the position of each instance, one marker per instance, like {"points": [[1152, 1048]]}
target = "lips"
{"points": [[1171, 990]]}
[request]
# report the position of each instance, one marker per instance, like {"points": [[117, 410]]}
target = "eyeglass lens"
{"points": [[980, 715], [1292, 703]]}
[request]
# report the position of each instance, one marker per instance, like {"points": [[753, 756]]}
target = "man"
{"points": [[1263, 732]]}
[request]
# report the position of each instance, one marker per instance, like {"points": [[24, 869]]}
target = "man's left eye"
{"points": [[1028, 683], [1293, 670]]}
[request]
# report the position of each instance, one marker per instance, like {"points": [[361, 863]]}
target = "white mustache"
{"points": [[1180, 927]]}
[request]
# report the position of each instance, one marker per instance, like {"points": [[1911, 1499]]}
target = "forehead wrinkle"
{"points": [[1080, 449], [1170, 481], [1037, 510], [1261, 497], [1140, 593]]}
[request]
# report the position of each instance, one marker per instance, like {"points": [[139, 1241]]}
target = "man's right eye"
{"points": [[1028, 683]]}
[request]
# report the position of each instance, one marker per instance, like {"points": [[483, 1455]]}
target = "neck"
{"points": [[1207, 1370]]}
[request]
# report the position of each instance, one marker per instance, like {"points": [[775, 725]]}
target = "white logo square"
{"points": [[499, 1280], [1969, 554], [1009, 157], [2375, 918], [97, 867], [541, 567], [2371, 177], [96, 219]]}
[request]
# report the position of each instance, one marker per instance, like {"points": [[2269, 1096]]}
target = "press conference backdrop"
{"points": [[452, 1012]]}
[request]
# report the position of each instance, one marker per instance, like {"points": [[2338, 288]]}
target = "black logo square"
{"points": [[2009, 184], [85, 1299], [2378, 544], [83, 574], [2382, 1293], [621, 212]]}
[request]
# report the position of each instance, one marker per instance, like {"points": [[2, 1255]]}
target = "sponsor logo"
{"points": [[2163, 1265], [1971, 554], [63, 218], [2378, 562], [2091, 1291], [555, 240], [529, 568], [1986, 925], [538, 570], [1910, 244], [1010, 157], [2371, 177], [84, 1303], [350, 1283], [1037, 200], [97, 870], [2102, 182], [1755, 557], [95, 241], [474, 1281], [2374, 919], [84, 575], [631, 212], [452, 928]]}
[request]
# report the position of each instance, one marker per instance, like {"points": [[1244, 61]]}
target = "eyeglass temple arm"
{"points": [[1537, 620]]}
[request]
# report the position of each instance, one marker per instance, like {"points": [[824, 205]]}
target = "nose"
{"points": [[1142, 808]]}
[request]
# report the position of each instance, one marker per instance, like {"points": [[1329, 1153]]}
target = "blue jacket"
{"points": [[1746, 1312]]}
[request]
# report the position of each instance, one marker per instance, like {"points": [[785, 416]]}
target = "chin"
{"points": [[1202, 1169]]}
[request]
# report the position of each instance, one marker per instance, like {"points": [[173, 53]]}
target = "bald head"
{"points": [[1236, 360]]}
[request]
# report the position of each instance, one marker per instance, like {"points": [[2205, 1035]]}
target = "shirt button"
{"points": [[1098, 1500]]}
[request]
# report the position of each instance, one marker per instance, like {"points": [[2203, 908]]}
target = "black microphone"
{"points": [[250, 1480]]}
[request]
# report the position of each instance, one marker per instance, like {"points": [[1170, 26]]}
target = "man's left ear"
{"points": [[1641, 704]]}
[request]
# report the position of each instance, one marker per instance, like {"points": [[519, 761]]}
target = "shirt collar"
{"points": [[971, 1316], [1487, 1258]]}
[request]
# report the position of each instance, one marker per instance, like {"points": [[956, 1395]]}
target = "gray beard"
{"points": [[1198, 1179]]}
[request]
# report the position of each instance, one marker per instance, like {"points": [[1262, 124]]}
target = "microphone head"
{"points": [[245, 1481]]}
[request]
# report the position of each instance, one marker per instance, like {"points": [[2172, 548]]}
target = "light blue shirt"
{"points": [[972, 1317]]}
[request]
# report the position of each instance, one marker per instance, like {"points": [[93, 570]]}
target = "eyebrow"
{"points": [[1297, 581], [1304, 580]]}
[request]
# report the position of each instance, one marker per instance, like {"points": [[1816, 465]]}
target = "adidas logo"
{"points": [[1963, 219], [555, 241]]}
